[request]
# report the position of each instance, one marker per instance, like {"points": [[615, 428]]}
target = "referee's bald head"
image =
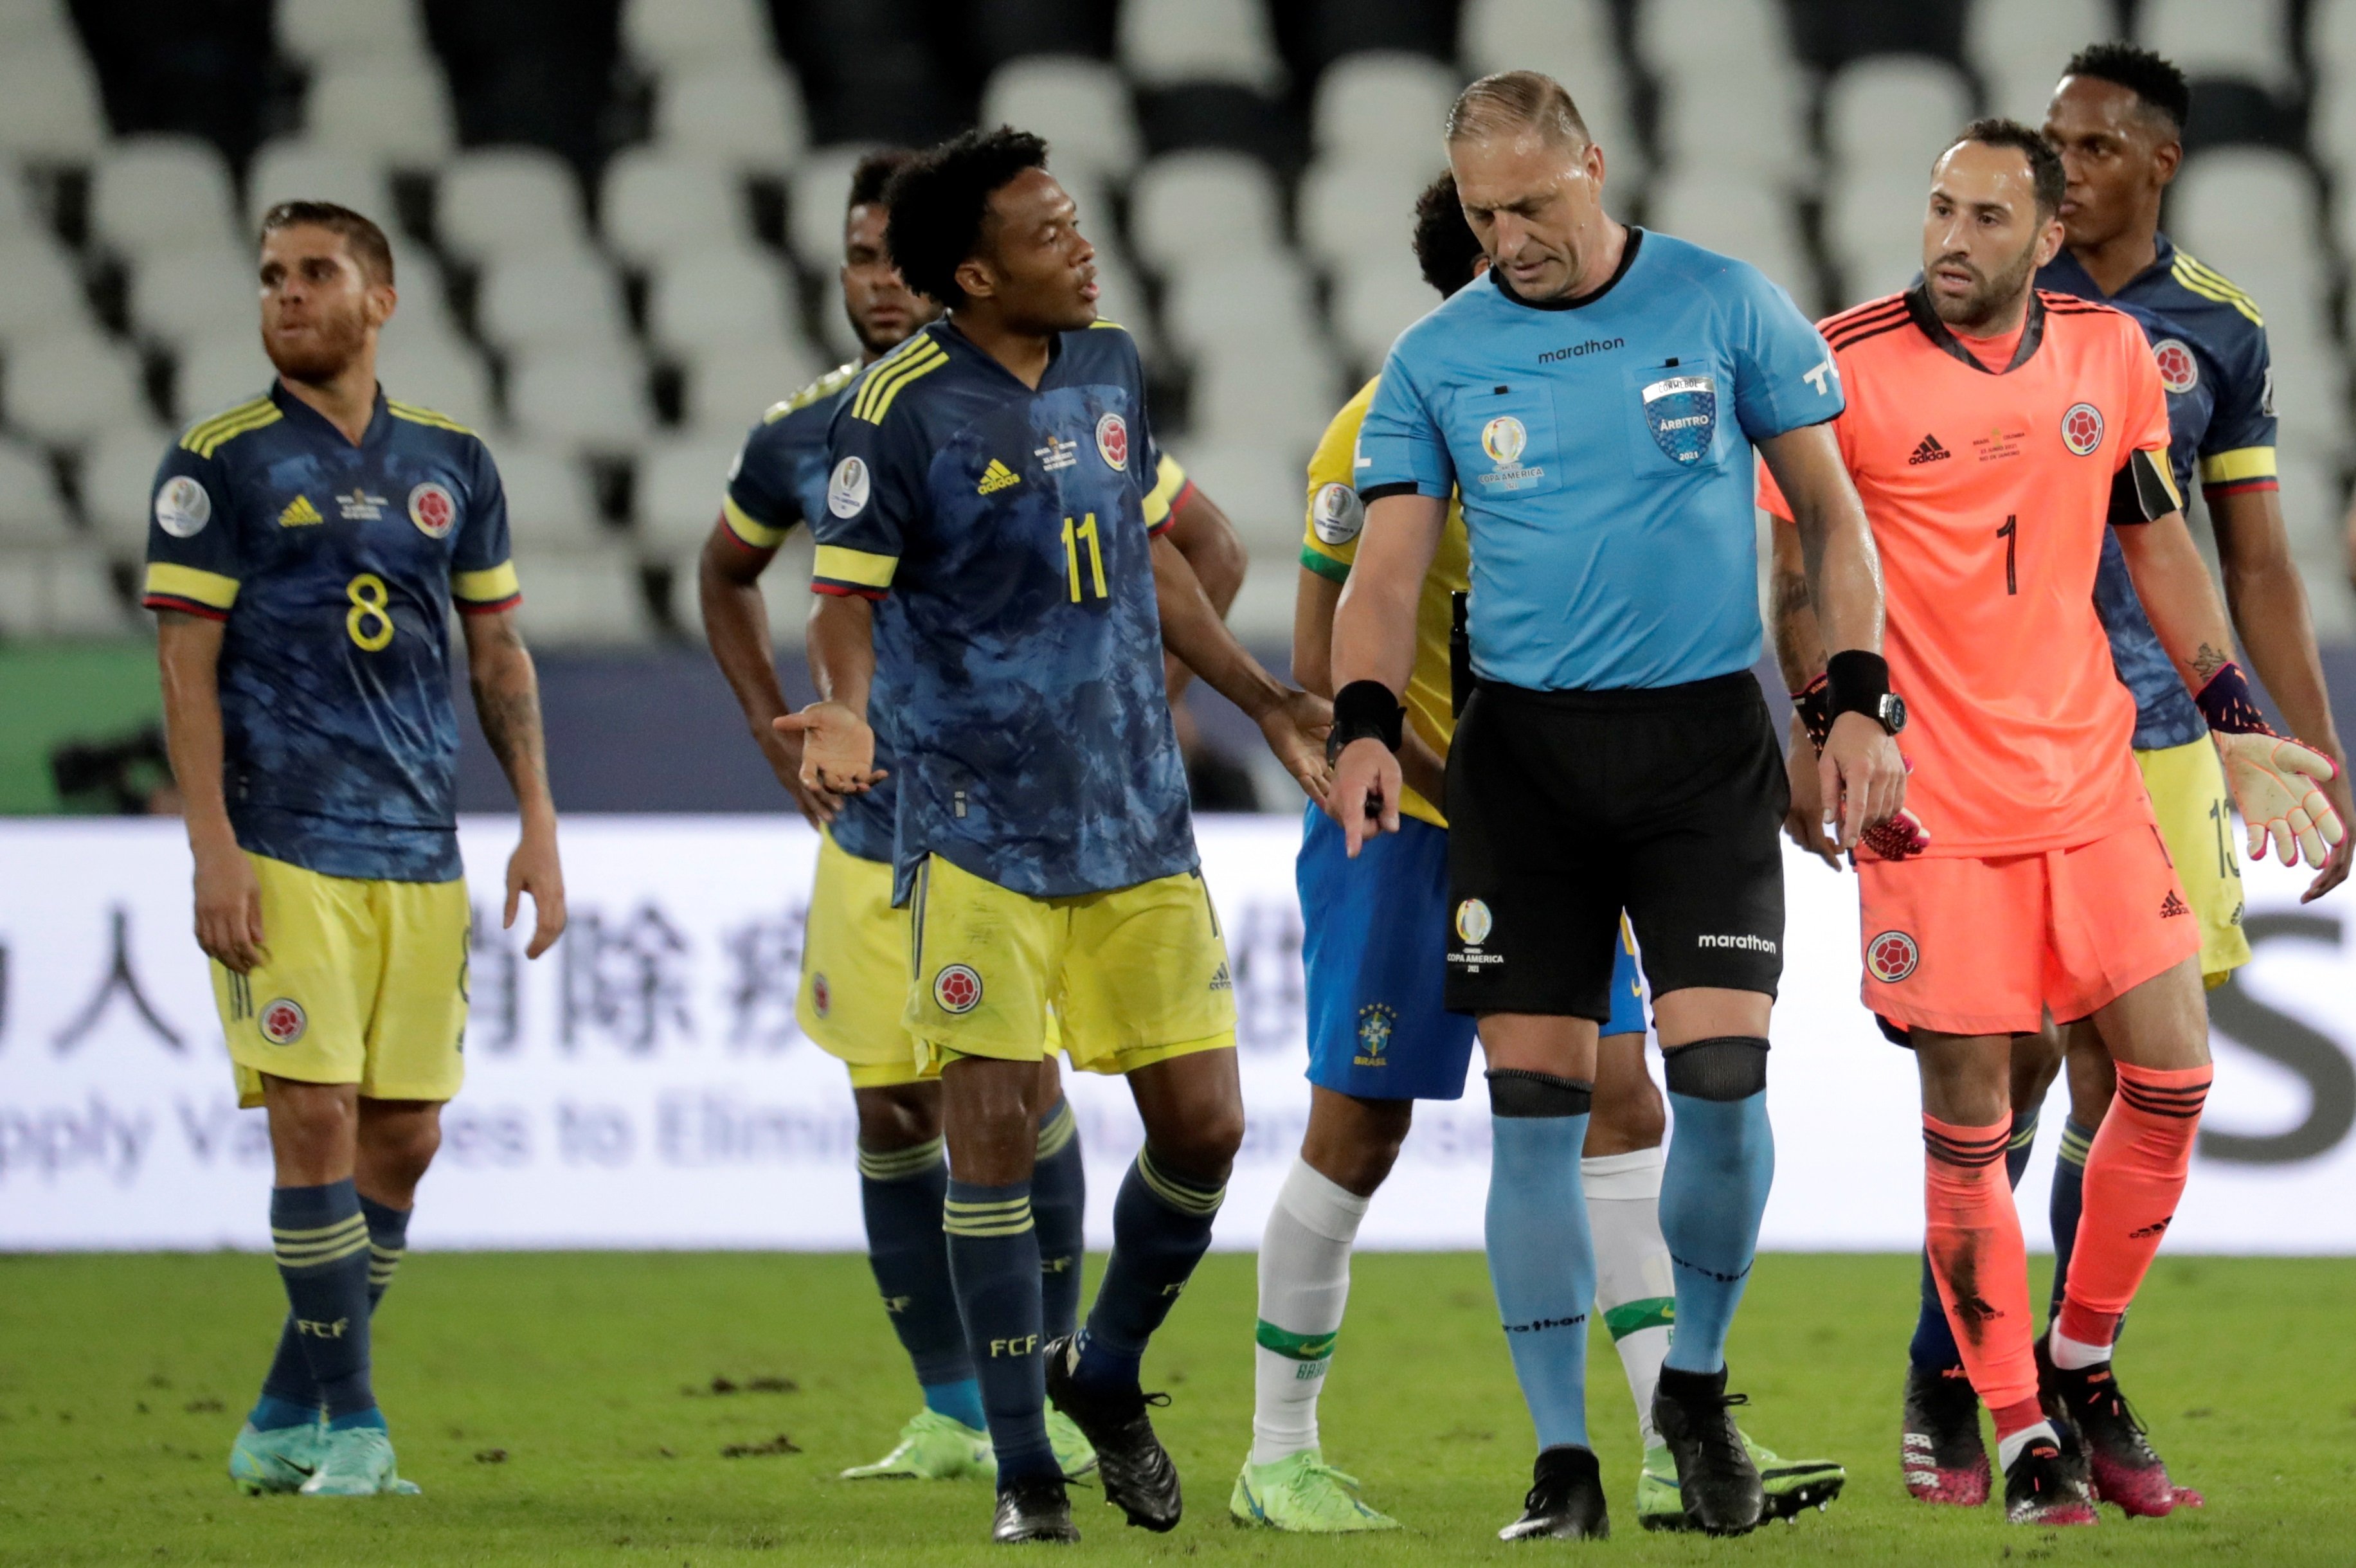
{"points": [[1511, 102]]}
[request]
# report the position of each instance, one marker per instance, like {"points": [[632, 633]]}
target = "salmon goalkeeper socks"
{"points": [[1972, 1233], [321, 1239], [2134, 1175], [1933, 1348]]}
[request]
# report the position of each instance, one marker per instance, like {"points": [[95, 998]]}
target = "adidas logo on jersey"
{"points": [[2173, 905], [298, 513], [1929, 451], [996, 478]]}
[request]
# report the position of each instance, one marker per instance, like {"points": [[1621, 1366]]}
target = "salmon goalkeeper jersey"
{"points": [[335, 567], [1009, 529]]}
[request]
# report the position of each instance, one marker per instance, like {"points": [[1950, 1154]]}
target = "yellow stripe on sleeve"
{"points": [[208, 589], [1168, 480], [884, 381], [487, 586], [860, 568], [750, 529], [2242, 463]]}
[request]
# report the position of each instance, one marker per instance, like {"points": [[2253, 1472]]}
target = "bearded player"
{"points": [[2045, 886]]}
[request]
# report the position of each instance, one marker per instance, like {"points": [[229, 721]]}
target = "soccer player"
{"points": [[989, 548], [1381, 1036], [1595, 402], [2046, 886], [306, 550]]}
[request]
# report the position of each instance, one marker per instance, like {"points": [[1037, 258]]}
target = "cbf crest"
{"points": [[1377, 1023], [1681, 414]]}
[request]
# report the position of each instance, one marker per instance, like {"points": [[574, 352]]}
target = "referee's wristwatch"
{"points": [[1859, 682]]}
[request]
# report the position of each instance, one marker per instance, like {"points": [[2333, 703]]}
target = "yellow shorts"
{"points": [[2196, 822], [1135, 976], [366, 984], [854, 987]]}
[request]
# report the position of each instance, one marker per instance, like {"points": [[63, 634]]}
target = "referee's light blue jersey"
{"points": [[1602, 448]]}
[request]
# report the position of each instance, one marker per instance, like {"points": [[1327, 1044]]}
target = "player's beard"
{"points": [[1993, 298], [326, 353]]}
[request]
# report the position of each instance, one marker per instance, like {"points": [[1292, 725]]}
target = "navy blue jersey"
{"points": [[2211, 345], [335, 567], [1603, 449], [1009, 529], [779, 480]]}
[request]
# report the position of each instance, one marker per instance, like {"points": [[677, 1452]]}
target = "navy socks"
{"points": [[993, 1254], [322, 1243], [1059, 1202], [290, 1397], [900, 1195], [1161, 1228]]}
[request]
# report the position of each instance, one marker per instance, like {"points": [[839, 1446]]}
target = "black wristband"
{"points": [[1365, 710], [1857, 682]]}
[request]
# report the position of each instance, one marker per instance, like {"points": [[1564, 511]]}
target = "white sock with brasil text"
{"points": [[1304, 1282], [1636, 1289]]}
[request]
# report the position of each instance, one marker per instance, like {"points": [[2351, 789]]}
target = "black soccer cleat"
{"points": [[1131, 1464], [2046, 1485], [1717, 1481], [1940, 1452], [1034, 1509], [1564, 1500], [2120, 1463]]}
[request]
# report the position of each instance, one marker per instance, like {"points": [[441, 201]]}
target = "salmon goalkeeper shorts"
{"points": [[1966, 946]]}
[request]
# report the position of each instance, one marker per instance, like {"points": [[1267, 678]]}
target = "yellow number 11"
{"points": [[1074, 537]]}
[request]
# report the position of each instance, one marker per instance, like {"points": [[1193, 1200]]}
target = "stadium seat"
{"points": [[49, 106], [1279, 391], [669, 35], [1351, 214], [553, 298], [2018, 48], [2240, 207], [160, 193], [728, 386], [1382, 106], [1732, 118], [1373, 305], [1263, 489], [2331, 110], [204, 290], [398, 111], [494, 201], [1893, 113], [37, 27], [1167, 43], [64, 592], [785, 591], [1873, 231], [582, 596], [815, 205], [679, 489], [1740, 218], [71, 387], [593, 399], [1121, 296], [1232, 302], [317, 32], [719, 297], [437, 370], [551, 503], [1572, 41], [302, 170], [2249, 40], [1188, 208], [218, 373], [31, 511], [656, 203], [749, 113], [2311, 385], [1080, 105], [20, 215], [1674, 37], [40, 289], [117, 486]]}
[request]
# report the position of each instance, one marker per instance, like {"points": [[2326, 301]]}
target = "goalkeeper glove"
{"points": [[2276, 782], [1902, 836]]}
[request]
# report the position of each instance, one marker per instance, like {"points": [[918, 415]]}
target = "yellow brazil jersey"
{"points": [[1331, 543]]}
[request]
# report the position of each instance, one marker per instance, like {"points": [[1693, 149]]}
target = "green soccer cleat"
{"points": [[1075, 1454], [356, 1462], [932, 1447], [278, 1460], [1790, 1485], [1303, 1494]]}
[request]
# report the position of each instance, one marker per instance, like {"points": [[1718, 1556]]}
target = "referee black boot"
{"points": [[1134, 1468], [1034, 1509], [1565, 1501], [1716, 1479]]}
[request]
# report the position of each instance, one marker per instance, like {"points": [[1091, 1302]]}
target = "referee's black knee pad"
{"points": [[1731, 1067], [1516, 1091]]}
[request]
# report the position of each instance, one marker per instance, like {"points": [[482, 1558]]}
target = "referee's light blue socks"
{"points": [[1721, 1161], [1541, 1258]]}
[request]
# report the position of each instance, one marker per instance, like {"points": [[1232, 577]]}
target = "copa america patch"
{"points": [[183, 506], [1336, 514], [1112, 441], [1472, 922], [956, 989], [433, 509], [2180, 372], [2082, 428], [846, 492], [281, 1023], [1891, 957]]}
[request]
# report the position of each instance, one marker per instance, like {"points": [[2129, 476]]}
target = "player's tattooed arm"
{"points": [[228, 897], [1799, 644], [507, 704], [2179, 596]]}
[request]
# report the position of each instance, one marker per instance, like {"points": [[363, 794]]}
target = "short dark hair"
{"points": [[2150, 77], [366, 242], [1445, 246], [940, 198], [874, 172], [2044, 164], [1515, 101]]}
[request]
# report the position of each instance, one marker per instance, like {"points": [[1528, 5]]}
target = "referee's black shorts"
{"points": [[1565, 807]]}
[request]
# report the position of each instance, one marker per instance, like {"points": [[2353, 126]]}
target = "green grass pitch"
{"points": [[559, 1409]]}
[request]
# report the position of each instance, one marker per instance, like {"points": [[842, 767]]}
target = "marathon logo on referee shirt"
{"points": [[1681, 414]]}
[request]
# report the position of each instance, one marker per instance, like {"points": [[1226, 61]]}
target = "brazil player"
{"points": [[987, 549], [2046, 887], [1381, 1036], [1595, 401], [306, 550]]}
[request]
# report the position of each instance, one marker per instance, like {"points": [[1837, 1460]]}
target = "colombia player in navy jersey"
{"points": [[307, 548], [987, 545]]}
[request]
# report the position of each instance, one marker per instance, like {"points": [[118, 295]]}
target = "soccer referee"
{"points": [[1595, 401]]}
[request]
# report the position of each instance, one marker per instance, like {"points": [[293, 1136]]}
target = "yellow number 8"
{"points": [[370, 603]]}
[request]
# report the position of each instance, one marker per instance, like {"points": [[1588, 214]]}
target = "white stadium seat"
{"points": [[2239, 207], [1279, 391], [1189, 208], [1570, 40], [1355, 213], [63, 592], [316, 32], [71, 388], [302, 170], [782, 595], [39, 290], [218, 373], [1739, 218], [1233, 304], [37, 27], [118, 486], [679, 489], [1262, 489], [1080, 105], [1747, 121], [20, 215], [1672, 37], [655, 203], [589, 399], [200, 291], [397, 110], [553, 299], [2018, 48], [2249, 40], [1373, 305], [551, 502], [48, 106], [666, 34], [159, 193], [1121, 296], [729, 385], [1894, 114], [31, 511], [1383, 106], [1169, 43], [748, 112], [439, 372], [721, 297], [494, 201], [582, 595], [819, 195], [1873, 228]]}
